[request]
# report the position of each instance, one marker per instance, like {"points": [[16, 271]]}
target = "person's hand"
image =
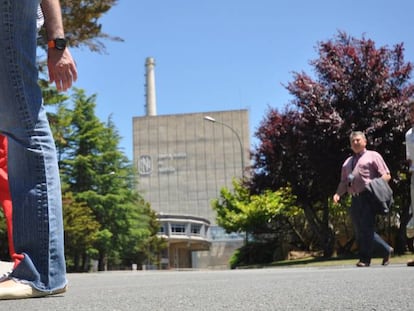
{"points": [[386, 177], [62, 68], [336, 198]]}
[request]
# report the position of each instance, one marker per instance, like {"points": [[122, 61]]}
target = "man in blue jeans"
{"points": [[33, 172]]}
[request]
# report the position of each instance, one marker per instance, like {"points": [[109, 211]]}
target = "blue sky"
{"points": [[216, 55]]}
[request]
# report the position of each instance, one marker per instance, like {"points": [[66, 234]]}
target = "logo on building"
{"points": [[145, 165]]}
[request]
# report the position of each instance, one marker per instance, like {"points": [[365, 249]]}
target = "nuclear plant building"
{"points": [[183, 160]]}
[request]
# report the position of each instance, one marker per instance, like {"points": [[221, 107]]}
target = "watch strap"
{"points": [[51, 44], [58, 43]]}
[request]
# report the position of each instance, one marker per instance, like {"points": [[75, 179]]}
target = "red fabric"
{"points": [[5, 199]]}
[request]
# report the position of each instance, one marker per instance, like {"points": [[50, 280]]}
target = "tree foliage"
{"points": [[100, 181], [81, 233], [153, 246], [272, 221], [238, 211], [81, 19], [356, 86]]}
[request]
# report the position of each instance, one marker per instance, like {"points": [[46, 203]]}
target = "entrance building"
{"points": [[183, 161]]}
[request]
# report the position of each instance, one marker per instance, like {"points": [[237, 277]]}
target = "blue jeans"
{"points": [[32, 161], [363, 219]]}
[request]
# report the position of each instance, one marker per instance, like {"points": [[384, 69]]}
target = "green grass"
{"points": [[323, 262]]}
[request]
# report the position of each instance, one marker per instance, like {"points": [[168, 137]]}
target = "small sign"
{"points": [[145, 165]]}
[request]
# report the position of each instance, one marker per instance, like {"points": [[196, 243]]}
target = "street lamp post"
{"points": [[211, 119]]}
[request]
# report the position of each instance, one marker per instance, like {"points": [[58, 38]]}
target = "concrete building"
{"points": [[183, 161]]}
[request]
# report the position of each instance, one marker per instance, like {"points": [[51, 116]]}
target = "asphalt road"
{"points": [[321, 288]]}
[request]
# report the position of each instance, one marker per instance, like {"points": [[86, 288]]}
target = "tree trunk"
{"points": [[328, 233], [323, 231], [102, 262], [76, 262]]}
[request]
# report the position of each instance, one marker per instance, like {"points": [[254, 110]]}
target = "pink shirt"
{"points": [[364, 167]]}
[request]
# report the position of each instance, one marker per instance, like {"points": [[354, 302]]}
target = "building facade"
{"points": [[183, 161]]}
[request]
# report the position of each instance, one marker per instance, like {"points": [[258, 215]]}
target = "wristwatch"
{"points": [[58, 43]]}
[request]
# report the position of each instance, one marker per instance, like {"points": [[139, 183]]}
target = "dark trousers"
{"points": [[363, 219]]}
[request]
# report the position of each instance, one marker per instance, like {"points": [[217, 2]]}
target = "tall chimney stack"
{"points": [[151, 103]]}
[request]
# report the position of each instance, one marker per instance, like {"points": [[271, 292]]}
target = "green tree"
{"points": [[357, 87], [271, 219], [81, 233], [81, 21], [102, 179], [150, 251], [239, 211]]}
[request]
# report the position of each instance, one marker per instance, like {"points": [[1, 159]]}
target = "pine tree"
{"points": [[101, 179]]}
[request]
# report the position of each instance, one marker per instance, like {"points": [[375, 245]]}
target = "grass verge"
{"points": [[326, 262]]}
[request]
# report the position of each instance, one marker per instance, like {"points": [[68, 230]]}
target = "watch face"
{"points": [[60, 43]]}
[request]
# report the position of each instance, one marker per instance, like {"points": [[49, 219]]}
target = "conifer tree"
{"points": [[101, 179]]}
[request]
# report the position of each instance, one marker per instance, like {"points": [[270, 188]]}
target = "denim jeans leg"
{"points": [[381, 245], [354, 213], [363, 220], [33, 171], [367, 229]]}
